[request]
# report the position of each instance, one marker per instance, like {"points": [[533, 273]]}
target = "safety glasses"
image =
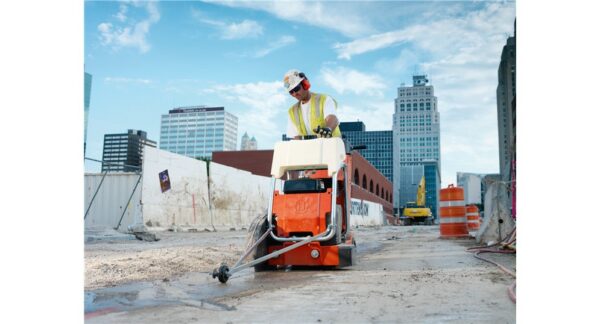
{"points": [[296, 89]]}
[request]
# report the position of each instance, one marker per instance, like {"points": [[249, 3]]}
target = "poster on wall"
{"points": [[165, 181]]}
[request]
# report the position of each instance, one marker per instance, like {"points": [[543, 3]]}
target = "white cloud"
{"points": [[371, 43], [244, 29], [131, 34], [273, 46], [461, 36], [121, 15], [344, 80], [336, 16], [121, 80], [247, 28], [259, 106], [406, 61], [375, 115]]}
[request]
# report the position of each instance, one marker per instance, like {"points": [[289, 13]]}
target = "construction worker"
{"points": [[314, 113]]}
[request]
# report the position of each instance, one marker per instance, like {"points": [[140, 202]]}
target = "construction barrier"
{"points": [[473, 220], [453, 220], [366, 213]]}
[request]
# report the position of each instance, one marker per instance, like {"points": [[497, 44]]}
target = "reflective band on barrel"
{"points": [[473, 221], [452, 220], [452, 203]]}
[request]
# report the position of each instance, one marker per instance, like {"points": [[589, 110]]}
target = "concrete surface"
{"points": [[404, 275], [106, 234]]}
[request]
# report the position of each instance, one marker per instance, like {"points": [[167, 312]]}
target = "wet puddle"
{"points": [[194, 289]]}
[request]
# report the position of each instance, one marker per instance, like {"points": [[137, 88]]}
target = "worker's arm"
{"points": [[331, 122]]}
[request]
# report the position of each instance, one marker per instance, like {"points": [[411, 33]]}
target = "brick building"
{"points": [[367, 182]]}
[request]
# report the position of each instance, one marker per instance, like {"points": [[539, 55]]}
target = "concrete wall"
{"points": [[237, 196], [186, 203], [366, 213], [498, 222], [109, 203]]}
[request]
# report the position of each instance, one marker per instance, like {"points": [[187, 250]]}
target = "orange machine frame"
{"points": [[304, 214]]}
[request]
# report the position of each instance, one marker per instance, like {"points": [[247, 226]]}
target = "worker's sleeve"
{"points": [[330, 107], [291, 129]]}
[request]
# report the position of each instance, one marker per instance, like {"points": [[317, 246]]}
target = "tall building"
{"points": [[416, 139], [87, 92], [506, 105], [123, 152], [379, 145], [248, 144], [432, 186], [252, 144], [197, 131]]}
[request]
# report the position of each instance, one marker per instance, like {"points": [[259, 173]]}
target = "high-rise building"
{"points": [[506, 105], [87, 92], [248, 144], [123, 152], [244, 143], [432, 186], [197, 131], [252, 144], [416, 139], [378, 143]]}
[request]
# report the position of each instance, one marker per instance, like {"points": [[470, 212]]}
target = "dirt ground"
{"points": [[114, 262], [403, 275]]}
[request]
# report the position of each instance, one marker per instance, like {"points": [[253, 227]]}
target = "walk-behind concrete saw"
{"points": [[307, 219]]}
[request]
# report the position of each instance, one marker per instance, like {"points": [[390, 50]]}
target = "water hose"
{"points": [[506, 246]]}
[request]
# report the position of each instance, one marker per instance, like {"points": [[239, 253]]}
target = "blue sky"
{"points": [[149, 57]]}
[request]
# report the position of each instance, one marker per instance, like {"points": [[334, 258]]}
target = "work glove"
{"points": [[323, 131]]}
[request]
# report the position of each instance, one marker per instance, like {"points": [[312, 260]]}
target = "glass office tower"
{"points": [[197, 131]]}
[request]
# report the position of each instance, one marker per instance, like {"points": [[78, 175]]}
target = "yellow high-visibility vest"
{"points": [[317, 117]]}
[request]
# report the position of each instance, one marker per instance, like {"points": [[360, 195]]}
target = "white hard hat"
{"points": [[291, 79]]}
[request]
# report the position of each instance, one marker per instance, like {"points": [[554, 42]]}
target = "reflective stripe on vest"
{"points": [[315, 113], [452, 220], [452, 203]]}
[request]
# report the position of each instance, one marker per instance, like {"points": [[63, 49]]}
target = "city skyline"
{"points": [[149, 57]]}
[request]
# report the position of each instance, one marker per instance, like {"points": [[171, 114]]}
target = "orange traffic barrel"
{"points": [[453, 220], [473, 218]]}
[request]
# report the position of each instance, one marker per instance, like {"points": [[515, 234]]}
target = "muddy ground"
{"points": [[403, 275]]}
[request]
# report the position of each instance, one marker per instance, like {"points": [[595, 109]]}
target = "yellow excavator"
{"points": [[417, 212]]}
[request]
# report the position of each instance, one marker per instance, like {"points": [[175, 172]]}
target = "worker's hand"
{"points": [[323, 131]]}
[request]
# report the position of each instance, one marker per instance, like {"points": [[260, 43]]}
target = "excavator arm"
{"points": [[421, 193]]}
